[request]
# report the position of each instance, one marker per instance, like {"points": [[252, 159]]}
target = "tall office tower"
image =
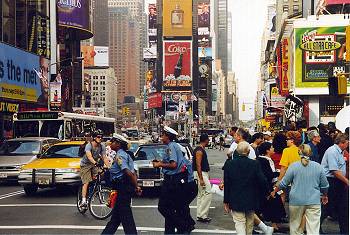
{"points": [[100, 22], [229, 41], [137, 12], [221, 32], [124, 51]]}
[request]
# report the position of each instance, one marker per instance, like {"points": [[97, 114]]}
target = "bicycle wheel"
{"points": [[98, 203], [82, 210]]}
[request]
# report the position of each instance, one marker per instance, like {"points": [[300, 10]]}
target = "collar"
{"points": [[266, 157], [338, 148]]}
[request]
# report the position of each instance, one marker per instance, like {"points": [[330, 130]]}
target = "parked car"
{"points": [[15, 153], [59, 165], [147, 176]]}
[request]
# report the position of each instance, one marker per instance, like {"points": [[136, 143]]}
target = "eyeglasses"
{"points": [[289, 139], [99, 136]]}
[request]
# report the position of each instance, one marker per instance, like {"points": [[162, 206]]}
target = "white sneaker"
{"points": [[83, 205], [269, 230]]}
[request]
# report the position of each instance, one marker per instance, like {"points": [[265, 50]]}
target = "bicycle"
{"points": [[99, 200]]}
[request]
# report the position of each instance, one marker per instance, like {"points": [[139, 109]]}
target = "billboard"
{"points": [[319, 52], [204, 77], [203, 18], [271, 22], [177, 18], [55, 96], [95, 55], [150, 53], [74, 14], [155, 100], [152, 22], [204, 52], [23, 76], [285, 69], [177, 69]]}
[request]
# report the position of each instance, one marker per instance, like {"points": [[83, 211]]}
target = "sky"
{"points": [[246, 48]]}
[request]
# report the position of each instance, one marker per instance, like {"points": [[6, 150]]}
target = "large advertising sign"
{"points": [[319, 52], [155, 100], [177, 18], [39, 42], [55, 96], [203, 18], [285, 70], [74, 14], [204, 77], [23, 76], [177, 69], [152, 21], [95, 55], [271, 21]]}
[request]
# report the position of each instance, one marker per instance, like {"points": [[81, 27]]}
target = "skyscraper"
{"points": [[221, 31], [100, 22], [136, 34]]}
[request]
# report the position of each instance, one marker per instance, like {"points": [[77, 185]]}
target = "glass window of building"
{"points": [[285, 8], [8, 14], [295, 8], [21, 24]]}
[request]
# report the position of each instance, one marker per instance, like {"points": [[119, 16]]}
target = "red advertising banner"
{"points": [[155, 100], [177, 69]]}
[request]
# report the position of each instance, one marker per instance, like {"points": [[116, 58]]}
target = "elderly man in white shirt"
{"points": [[240, 136]]}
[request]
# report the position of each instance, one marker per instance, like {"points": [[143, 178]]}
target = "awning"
{"points": [[342, 120], [335, 2]]}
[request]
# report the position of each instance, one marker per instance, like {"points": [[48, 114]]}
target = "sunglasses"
{"points": [[99, 136]]}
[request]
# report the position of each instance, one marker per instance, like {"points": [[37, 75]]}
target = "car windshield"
{"points": [[62, 151], [20, 148], [134, 147], [151, 153]]}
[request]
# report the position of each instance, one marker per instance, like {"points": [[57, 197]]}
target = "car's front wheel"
{"points": [[31, 189]]}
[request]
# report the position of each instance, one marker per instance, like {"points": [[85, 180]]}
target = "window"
{"points": [[295, 8], [285, 8], [21, 24], [296, 0], [9, 11]]}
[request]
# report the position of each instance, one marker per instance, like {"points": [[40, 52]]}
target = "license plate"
{"points": [[148, 183], [3, 175], [43, 181]]}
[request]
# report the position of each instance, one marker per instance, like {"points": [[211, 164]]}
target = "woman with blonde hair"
{"points": [[308, 181]]}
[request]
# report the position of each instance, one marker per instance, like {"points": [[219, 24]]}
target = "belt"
{"points": [[175, 176]]}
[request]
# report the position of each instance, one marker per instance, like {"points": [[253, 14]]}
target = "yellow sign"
{"points": [[177, 18], [274, 92], [348, 43], [322, 45], [18, 92], [9, 107]]}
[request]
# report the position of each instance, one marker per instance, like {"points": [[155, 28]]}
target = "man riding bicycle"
{"points": [[94, 152]]}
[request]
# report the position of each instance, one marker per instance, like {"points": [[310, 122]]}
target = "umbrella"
{"points": [[342, 120]]}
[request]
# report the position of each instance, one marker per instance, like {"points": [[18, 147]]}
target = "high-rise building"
{"points": [[289, 8], [229, 41], [100, 22], [124, 51], [138, 18], [221, 31]]}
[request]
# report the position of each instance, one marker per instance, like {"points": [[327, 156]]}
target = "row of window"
{"points": [[25, 23], [95, 88], [295, 8], [101, 99]]}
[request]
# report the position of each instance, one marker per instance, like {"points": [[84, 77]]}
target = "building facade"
{"points": [[100, 22], [103, 89], [24, 59]]}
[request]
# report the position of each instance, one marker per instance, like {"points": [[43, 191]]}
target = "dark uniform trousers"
{"points": [[173, 204], [338, 204], [122, 211]]}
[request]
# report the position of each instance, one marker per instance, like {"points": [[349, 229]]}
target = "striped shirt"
{"points": [[308, 182]]}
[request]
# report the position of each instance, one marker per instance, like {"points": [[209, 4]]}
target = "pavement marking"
{"points": [[150, 229], [74, 205], [7, 195]]}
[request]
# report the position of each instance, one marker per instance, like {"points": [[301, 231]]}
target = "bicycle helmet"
{"points": [[97, 133]]}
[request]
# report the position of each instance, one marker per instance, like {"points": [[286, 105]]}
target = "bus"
{"points": [[61, 125]]}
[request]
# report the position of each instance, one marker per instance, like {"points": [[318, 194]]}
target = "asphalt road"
{"points": [[53, 211]]}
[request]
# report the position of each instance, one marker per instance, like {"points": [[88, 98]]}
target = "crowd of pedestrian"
{"points": [[305, 171]]}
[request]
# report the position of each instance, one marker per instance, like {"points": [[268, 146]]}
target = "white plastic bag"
{"points": [[215, 189]]}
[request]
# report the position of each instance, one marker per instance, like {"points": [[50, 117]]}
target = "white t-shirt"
{"points": [[234, 145]]}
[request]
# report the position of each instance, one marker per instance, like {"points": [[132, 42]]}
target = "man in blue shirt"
{"points": [[335, 167], [125, 182], [315, 139], [176, 175]]}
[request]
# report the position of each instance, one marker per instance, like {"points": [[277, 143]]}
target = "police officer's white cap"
{"points": [[119, 138], [170, 130]]}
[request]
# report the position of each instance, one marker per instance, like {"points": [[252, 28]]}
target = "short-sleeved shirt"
{"points": [[96, 153], [173, 153], [121, 162], [289, 156], [333, 160]]}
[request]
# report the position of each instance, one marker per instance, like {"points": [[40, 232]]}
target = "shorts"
{"points": [[87, 172]]}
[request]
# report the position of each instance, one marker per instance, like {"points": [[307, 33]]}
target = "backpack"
{"points": [[81, 151]]}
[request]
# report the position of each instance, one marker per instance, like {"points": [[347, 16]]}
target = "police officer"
{"points": [[171, 201], [125, 182]]}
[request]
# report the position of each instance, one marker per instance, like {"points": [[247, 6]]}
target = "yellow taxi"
{"points": [[59, 165]]}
